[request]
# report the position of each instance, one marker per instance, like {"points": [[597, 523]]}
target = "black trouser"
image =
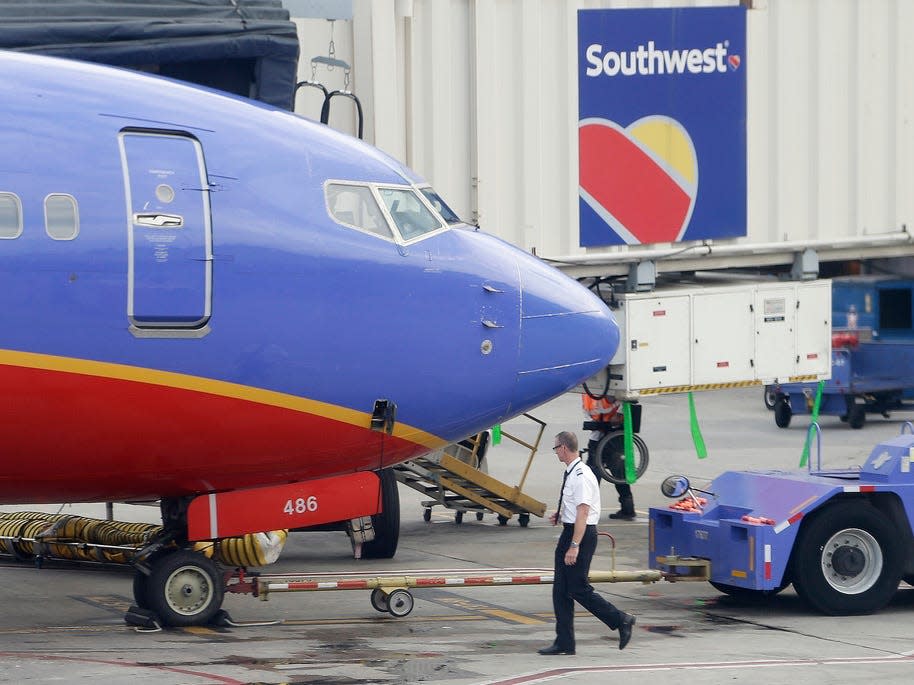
{"points": [[570, 586], [616, 467]]}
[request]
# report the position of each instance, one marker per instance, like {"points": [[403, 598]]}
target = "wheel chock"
{"points": [[143, 620]]}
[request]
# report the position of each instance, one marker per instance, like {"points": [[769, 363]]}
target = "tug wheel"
{"points": [[856, 416], [399, 603], [847, 559], [782, 413], [379, 600], [184, 589]]}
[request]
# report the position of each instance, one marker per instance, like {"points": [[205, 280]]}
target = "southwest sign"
{"points": [[661, 124]]}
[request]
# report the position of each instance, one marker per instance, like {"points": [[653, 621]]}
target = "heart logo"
{"points": [[642, 180], [734, 61]]}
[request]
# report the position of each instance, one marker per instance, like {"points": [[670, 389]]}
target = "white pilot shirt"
{"points": [[580, 488]]}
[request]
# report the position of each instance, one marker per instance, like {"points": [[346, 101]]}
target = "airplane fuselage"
{"points": [[184, 312]]}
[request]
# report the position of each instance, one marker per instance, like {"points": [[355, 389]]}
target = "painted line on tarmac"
{"points": [[556, 673], [483, 609], [211, 677]]}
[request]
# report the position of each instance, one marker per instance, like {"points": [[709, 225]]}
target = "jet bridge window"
{"points": [[61, 216], [355, 206], [409, 213], [10, 216]]}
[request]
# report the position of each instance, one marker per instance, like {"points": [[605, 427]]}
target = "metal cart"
{"points": [[866, 378]]}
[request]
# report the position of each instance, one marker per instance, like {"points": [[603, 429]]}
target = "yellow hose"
{"points": [[87, 536]]}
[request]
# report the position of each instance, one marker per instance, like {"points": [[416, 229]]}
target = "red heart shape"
{"points": [[624, 183]]}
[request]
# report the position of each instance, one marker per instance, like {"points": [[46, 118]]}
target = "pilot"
{"points": [[578, 511], [605, 411]]}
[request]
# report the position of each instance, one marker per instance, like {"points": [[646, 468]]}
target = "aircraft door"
{"points": [[169, 275]]}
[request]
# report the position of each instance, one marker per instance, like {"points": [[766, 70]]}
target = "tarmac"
{"points": [[65, 622]]}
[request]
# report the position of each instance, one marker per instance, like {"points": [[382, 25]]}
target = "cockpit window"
{"points": [[409, 213], [355, 206], [440, 206]]}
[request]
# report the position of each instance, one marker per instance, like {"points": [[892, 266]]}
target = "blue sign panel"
{"points": [[662, 124]]}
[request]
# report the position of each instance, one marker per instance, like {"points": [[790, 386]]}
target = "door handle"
{"points": [[159, 220]]}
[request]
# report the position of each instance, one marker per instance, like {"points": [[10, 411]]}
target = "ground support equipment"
{"points": [[842, 537], [455, 478], [866, 378], [390, 590]]}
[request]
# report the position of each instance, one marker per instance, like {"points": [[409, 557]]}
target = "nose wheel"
{"points": [[184, 588]]}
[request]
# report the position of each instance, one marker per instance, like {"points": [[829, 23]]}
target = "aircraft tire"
{"points": [[386, 524], [771, 397], [184, 589], [140, 588], [847, 559], [611, 447]]}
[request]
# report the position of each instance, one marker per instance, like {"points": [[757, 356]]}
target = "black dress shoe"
{"points": [[625, 630], [623, 515], [555, 649]]}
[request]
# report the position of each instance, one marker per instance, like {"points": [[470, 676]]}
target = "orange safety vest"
{"points": [[600, 409]]}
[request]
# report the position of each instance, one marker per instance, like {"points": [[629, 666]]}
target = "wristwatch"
{"points": [[575, 544]]}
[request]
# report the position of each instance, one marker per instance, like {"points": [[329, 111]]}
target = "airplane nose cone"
{"points": [[567, 334]]}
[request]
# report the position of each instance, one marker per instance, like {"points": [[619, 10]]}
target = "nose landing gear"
{"points": [[182, 588]]}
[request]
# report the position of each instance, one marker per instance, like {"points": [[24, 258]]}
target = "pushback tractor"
{"points": [[842, 537]]}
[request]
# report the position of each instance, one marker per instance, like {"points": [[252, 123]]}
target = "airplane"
{"points": [[244, 315]]}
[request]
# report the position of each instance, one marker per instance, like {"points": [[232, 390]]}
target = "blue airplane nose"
{"points": [[567, 334]]}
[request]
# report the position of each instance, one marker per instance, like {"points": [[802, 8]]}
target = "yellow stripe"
{"points": [[719, 386], [210, 386], [695, 388], [738, 574], [512, 616]]}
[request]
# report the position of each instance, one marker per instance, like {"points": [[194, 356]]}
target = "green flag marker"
{"points": [[699, 441], [496, 434], [815, 417], [630, 474]]}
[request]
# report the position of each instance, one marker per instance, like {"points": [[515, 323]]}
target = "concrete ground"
{"points": [[65, 624]]}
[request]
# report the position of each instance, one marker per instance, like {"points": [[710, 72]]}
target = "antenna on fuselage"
{"points": [[331, 62]]}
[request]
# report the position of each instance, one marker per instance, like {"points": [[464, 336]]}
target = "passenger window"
{"points": [[10, 216], [61, 216], [355, 206], [409, 213]]}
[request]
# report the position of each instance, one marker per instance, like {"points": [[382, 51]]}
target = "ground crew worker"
{"points": [[579, 512], [606, 411]]}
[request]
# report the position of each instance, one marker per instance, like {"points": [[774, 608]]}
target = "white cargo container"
{"points": [[480, 96], [706, 337]]}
